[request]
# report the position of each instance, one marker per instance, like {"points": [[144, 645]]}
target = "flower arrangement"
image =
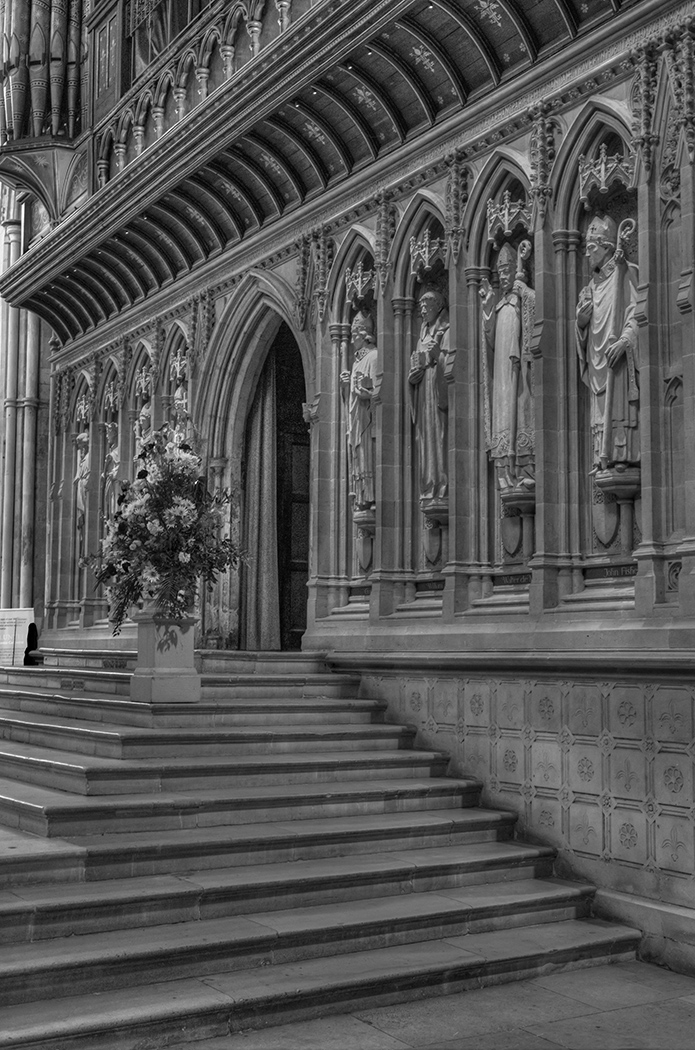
{"points": [[164, 535]]}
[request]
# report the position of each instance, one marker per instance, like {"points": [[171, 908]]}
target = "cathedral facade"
{"points": [[417, 277]]}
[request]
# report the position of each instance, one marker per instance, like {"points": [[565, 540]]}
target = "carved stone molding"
{"points": [[541, 156], [301, 298], [322, 246], [456, 200], [385, 232], [644, 139]]}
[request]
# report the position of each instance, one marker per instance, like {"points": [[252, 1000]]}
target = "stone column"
{"points": [[477, 507], [339, 560], [30, 405], [461, 372], [570, 577], [11, 350], [686, 304], [650, 584], [550, 381]]}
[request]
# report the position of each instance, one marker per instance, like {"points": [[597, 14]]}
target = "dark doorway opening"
{"points": [[292, 488]]}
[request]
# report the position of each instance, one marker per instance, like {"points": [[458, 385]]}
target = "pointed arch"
{"points": [[502, 167], [358, 243], [254, 313], [425, 207], [595, 120]]}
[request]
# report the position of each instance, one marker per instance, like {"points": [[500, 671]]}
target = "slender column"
{"points": [[388, 421], [12, 235], [30, 406], [478, 552], [339, 559], [461, 371], [686, 304], [650, 582], [570, 578], [549, 375]]}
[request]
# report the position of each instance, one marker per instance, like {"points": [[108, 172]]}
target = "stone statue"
{"points": [[359, 388], [81, 478], [507, 327], [429, 395], [143, 425], [112, 462], [606, 335]]}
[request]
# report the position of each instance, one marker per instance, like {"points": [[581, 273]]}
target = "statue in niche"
{"points": [[358, 385], [143, 424], [606, 335], [81, 478], [507, 327], [429, 395], [112, 463]]}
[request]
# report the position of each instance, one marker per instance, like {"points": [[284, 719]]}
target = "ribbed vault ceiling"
{"points": [[427, 64]]}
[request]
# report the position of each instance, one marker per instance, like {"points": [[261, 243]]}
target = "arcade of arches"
{"points": [[431, 321]]}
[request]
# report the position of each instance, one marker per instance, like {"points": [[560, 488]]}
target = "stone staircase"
{"points": [[275, 852]]}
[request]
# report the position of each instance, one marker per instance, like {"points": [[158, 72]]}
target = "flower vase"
{"points": [[165, 671]]}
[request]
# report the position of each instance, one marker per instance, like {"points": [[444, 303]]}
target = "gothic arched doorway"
{"points": [[276, 503]]}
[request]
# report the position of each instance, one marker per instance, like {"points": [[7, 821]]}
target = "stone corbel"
{"points": [[684, 298], [310, 410]]}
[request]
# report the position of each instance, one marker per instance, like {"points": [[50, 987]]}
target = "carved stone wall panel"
{"points": [[545, 707], [628, 835], [673, 778], [476, 703], [584, 709], [675, 851], [626, 715], [445, 700], [603, 770], [586, 834], [627, 773], [585, 769], [672, 714], [546, 763], [509, 704], [511, 760]]}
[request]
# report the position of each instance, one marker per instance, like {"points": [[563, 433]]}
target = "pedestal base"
{"points": [[165, 670]]}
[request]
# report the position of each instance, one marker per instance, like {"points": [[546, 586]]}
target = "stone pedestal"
{"points": [[523, 499], [623, 483], [436, 514], [165, 671], [365, 528]]}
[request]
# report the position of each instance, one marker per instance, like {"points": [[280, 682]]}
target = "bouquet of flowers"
{"points": [[165, 535]]}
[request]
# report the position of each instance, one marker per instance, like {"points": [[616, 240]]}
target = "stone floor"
{"points": [[624, 1006]]}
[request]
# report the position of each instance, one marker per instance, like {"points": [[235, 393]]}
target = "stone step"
{"points": [[216, 685], [219, 661], [251, 711], [33, 913], [94, 775], [43, 811], [118, 741], [221, 1003], [122, 958], [195, 849]]}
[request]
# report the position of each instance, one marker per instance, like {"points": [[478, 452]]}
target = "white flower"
{"points": [[184, 556]]}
